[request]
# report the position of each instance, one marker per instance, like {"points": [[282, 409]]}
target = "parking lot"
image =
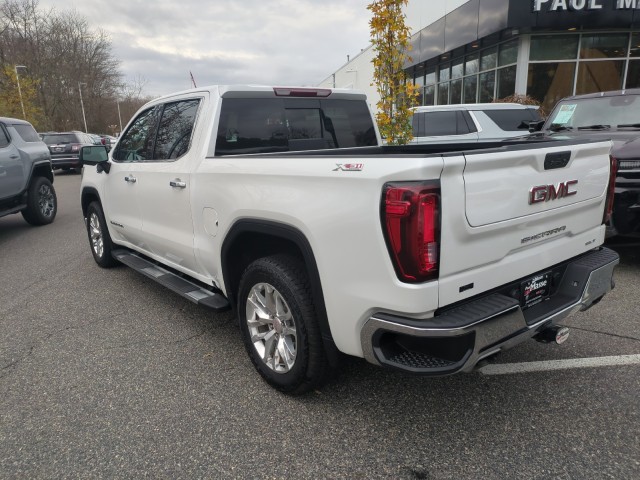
{"points": [[104, 373]]}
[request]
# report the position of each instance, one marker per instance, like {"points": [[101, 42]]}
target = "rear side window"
{"points": [[514, 120], [430, 124], [27, 133], [262, 125]]}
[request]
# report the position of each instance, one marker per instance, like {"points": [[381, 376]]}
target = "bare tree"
{"points": [[63, 56]]}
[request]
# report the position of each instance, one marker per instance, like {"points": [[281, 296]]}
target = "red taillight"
{"points": [[411, 214], [611, 191]]}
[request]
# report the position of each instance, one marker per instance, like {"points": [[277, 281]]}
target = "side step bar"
{"points": [[11, 210], [215, 301]]}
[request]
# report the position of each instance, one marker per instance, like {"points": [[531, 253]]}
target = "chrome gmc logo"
{"points": [[544, 193]]}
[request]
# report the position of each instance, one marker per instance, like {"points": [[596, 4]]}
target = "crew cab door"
{"points": [[11, 169], [164, 185], [122, 207]]}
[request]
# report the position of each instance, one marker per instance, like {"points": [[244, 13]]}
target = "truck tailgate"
{"points": [[508, 213], [504, 186]]}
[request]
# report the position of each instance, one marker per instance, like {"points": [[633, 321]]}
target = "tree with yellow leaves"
{"points": [[390, 38], [10, 102]]}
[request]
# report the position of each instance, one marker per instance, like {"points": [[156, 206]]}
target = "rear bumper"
{"points": [[66, 161], [456, 339]]}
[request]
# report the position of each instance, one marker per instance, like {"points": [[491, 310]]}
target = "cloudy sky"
{"points": [[272, 42]]}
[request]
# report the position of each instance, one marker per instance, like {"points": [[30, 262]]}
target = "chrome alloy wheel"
{"points": [[46, 201], [271, 327], [95, 235]]}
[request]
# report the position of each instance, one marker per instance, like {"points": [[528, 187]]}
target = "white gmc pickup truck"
{"points": [[281, 204]]}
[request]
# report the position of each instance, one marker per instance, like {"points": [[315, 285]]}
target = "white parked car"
{"points": [[472, 122]]}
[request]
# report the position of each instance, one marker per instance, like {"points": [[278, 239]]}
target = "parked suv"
{"points": [[65, 148], [607, 115], [472, 122], [26, 176]]}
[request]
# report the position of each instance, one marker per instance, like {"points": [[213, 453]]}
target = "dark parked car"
{"points": [[65, 148], [607, 115], [26, 178]]}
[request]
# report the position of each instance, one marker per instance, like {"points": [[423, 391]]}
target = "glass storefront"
{"points": [[575, 64], [476, 77], [559, 65]]}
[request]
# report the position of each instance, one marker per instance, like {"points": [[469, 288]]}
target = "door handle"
{"points": [[177, 183], [131, 179]]}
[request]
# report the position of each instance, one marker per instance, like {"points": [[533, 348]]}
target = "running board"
{"points": [[215, 301], [11, 210]]}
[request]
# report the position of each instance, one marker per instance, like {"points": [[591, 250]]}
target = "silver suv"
{"points": [[466, 123], [26, 177]]}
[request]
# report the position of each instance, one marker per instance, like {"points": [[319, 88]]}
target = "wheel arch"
{"points": [[250, 239], [89, 194], [41, 169]]}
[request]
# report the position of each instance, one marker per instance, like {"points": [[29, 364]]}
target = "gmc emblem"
{"points": [[544, 193]]}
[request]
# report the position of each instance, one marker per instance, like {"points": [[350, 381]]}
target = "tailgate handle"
{"points": [[556, 160]]}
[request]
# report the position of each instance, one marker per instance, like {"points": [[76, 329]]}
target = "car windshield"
{"points": [[595, 113], [59, 138]]}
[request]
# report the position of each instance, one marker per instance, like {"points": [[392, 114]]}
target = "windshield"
{"points": [[595, 113]]}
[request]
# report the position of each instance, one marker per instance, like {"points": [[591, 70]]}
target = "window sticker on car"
{"points": [[565, 113]]}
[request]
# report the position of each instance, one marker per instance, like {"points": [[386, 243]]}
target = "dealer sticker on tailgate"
{"points": [[535, 289]]}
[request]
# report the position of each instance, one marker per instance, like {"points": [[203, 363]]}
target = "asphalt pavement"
{"points": [[105, 374]]}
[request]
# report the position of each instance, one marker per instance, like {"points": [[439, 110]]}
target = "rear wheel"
{"points": [[99, 238], [42, 203], [279, 325]]}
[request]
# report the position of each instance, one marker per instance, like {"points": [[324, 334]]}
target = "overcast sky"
{"points": [[271, 42]]}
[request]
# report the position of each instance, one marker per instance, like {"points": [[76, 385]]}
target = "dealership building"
{"points": [[480, 50]]}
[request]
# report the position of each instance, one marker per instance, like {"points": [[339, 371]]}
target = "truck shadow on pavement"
{"points": [[628, 247]]}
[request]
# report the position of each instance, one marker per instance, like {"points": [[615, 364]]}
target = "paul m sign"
{"points": [[579, 5]]}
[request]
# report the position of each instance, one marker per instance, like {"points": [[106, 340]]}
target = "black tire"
{"points": [[42, 203], [99, 238], [288, 278]]}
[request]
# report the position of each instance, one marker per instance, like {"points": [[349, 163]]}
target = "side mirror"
{"points": [[95, 155], [536, 126]]}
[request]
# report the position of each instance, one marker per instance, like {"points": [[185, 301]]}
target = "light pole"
{"points": [[24, 115], [119, 116], [82, 105]]}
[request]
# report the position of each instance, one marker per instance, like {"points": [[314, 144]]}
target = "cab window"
{"points": [[176, 126], [137, 142], [262, 125]]}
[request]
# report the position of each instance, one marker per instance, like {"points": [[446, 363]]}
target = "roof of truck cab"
{"points": [[264, 91]]}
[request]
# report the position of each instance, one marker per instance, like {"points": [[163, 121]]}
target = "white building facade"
{"points": [[480, 50]]}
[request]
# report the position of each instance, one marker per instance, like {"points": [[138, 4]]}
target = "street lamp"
{"points": [[82, 105], [24, 114], [119, 116]]}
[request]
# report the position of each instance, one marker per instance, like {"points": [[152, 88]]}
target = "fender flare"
{"points": [[295, 236]]}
